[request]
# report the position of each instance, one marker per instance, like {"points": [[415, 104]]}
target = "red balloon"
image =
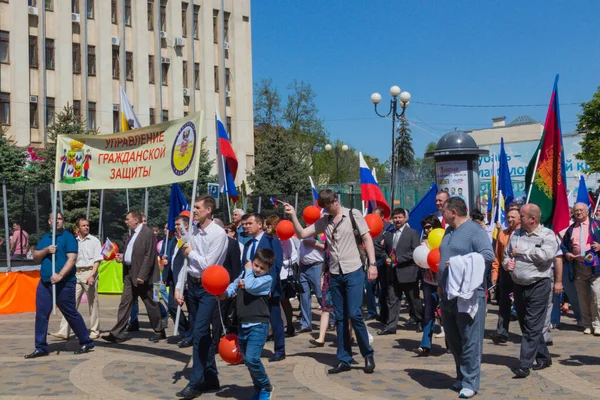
{"points": [[229, 349], [433, 259], [215, 279], [375, 224], [285, 229], [311, 214]]}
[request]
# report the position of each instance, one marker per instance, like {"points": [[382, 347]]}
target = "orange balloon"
{"points": [[215, 279], [433, 259], [185, 213], [375, 224], [229, 349], [285, 229], [311, 214]]}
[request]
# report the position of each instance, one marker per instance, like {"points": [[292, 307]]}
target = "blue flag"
{"points": [[504, 181], [177, 203], [425, 207], [582, 193]]}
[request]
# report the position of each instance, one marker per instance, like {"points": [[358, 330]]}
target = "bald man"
{"points": [[528, 258]]}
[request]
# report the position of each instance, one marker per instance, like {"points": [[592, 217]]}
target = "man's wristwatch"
{"points": [[372, 264]]}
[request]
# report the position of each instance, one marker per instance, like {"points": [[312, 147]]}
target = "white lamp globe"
{"points": [[405, 97], [395, 91], [375, 98], [344, 147], [328, 147]]}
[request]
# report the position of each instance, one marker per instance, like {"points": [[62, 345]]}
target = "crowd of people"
{"points": [[528, 268]]}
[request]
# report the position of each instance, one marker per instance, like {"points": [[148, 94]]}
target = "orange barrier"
{"points": [[17, 291]]}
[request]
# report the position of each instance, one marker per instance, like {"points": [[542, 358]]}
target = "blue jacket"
{"points": [[273, 244]]}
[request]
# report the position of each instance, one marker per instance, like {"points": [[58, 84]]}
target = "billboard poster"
{"points": [[453, 178]]}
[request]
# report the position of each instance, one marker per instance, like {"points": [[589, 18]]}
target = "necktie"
{"points": [[581, 241], [252, 250], [397, 237]]}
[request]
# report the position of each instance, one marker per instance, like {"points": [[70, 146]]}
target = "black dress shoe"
{"points": [[182, 344], [369, 365], [86, 348], [189, 393], [314, 343], [210, 385], [419, 329], [542, 365], [549, 343], [520, 373], [112, 338], [383, 332], [133, 328], [422, 351], [277, 357], [36, 353], [290, 332], [499, 339], [158, 337], [303, 330], [341, 367], [371, 317]]}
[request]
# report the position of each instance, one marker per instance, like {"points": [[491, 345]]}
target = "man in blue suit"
{"points": [[253, 225]]}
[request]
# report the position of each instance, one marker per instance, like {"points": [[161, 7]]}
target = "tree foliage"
{"points": [[424, 168], [589, 123], [11, 159]]}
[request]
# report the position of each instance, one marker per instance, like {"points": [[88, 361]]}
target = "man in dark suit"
{"points": [[140, 271], [402, 272], [174, 262], [253, 225]]}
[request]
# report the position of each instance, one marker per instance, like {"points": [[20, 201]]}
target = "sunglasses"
{"points": [[427, 227]]}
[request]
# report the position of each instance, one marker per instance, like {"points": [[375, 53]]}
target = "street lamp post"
{"points": [[343, 148], [404, 98]]}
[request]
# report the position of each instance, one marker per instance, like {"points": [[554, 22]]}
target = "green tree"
{"points": [[424, 168], [267, 104], [11, 159], [589, 124], [405, 154]]}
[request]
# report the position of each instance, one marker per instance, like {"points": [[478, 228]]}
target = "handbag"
{"points": [[291, 286]]}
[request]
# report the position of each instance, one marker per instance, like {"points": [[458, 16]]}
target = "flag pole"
{"points": [[7, 238], [226, 189], [87, 210], [53, 244], [100, 215], [127, 197], [537, 160]]}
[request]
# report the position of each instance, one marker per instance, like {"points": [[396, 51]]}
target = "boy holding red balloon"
{"points": [[252, 289]]}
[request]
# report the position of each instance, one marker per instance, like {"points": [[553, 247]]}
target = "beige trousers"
{"points": [[588, 293], [82, 287]]}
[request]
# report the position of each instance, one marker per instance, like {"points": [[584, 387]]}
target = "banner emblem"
{"points": [[184, 148]]}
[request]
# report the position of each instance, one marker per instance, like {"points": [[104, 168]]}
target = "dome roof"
{"points": [[456, 143]]}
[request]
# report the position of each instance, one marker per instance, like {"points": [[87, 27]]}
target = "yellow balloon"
{"points": [[435, 238]]}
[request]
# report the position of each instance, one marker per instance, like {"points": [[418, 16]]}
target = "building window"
{"points": [[113, 11], [185, 74], [4, 108], [77, 109], [227, 79], [91, 60], [116, 118], [165, 74], [90, 9], [33, 115], [76, 58], [152, 117], [216, 73], [49, 5], [163, 15], [129, 66], [4, 38], [196, 19], [75, 6], [116, 69], [185, 113], [128, 12], [184, 7], [91, 117], [228, 127], [30, 3], [150, 15], [49, 53], [165, 115], [151, 69], [215, 26], [197, 76], [33, 52], [226, 26], [49, 110]]}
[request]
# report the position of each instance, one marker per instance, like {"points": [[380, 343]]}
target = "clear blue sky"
{"points": [[456, 52]]}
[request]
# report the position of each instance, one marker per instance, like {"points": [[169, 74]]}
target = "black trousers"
{"points": [[531, 303], [382, 295], [504, 288], [394, 294]]}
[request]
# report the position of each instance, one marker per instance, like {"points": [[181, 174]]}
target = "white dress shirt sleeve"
{"points": [[214, 255]]}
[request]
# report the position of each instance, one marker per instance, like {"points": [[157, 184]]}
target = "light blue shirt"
{"points": [[255, 285]]}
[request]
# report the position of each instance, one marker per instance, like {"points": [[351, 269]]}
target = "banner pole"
{"points": [[537, 159], [62, 210], [226, 190], [259, 203], [127, 197], [100, 216], [146, 204], [53, 244], [6, 239], [87, 211], [37, 212], [296, 202]]}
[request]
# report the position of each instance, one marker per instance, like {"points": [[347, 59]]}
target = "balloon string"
{"points": [[221, 316]]}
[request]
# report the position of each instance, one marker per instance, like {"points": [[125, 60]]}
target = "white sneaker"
{"points": [[596, 332], [440, 335], [59, 335], [587, 331], [466, 393], [94, 335]]}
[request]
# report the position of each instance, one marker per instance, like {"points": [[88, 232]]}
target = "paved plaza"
{"points": [[138, 369]]}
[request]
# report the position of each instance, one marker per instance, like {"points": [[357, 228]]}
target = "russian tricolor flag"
{"points": [[315, 194], [370, 188], [228, 163]]}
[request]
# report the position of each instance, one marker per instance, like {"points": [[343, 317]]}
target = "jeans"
{"points": [[252, 341], [65, 300], [431, 301], [135, 310], [571, 291], [310, 278], [203, 356], [464, 337], [346, 292]]}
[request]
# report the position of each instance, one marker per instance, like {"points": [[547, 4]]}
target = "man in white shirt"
{"points": [[207, 245], [88, 261], [440, 199]]}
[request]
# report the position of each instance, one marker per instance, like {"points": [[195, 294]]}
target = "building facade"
{"points": [[173, 58]]}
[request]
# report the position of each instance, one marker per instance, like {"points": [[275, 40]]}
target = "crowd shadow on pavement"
{"points": [[235, 392], [430, 379], [410, 344], [497, 359], [580, 361]]}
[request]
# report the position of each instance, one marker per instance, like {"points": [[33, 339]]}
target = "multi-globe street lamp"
{"points": [[337, 149], [403, 98]]}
